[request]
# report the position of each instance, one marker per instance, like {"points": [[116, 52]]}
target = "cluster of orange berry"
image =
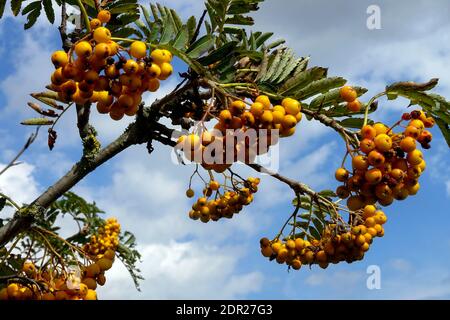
{"points": [[107, 237], [338, 243], [387, 165], [349, 95], [47, 285], [222, 206], [67, 286], [240, 118], [261, 115], [101, 74]]}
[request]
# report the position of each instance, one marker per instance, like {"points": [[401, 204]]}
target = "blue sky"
{"points": [[187, 259]]}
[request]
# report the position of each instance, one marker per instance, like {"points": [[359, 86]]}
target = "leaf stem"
{"points": [[366, 113], [85, 15]]}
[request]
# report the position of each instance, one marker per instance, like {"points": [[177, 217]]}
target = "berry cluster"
{"points": [[239, 118], [101, 74], [387, 165], [261, 115], [214, 206], [63, 285], [107, 237], [338, 242], [349, 95], [47, 285]]}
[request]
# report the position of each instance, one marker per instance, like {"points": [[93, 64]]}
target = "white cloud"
{"points": [[184, 271], [401, 265], [18, 183]]}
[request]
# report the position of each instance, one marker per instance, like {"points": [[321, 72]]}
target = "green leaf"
{"points": [[168, 30], [275, 44], [219, 53], [355, 123], [2, 7], [319, 86], [445, 129], [193, 64], [332, 97], [16, 5], [302, 79], [200, 46], [181, 40], [318, 224], [2, 203], [240, 20], [37, 121], [274, 64], [48, 7], [32, 17], [328, 193], [413, 86], [146, 13], [316, 234], [125, 8], [31, 6], [191, 25]]}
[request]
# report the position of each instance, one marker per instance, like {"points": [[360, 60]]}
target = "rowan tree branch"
{"points": [[83, 113], [332, 123], [139, 132]]}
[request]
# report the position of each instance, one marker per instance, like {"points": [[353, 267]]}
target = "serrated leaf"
{"points": [[191, 25], [285, 68], [355, 123], [125, 8], [200, 46], [181, 40], [305, 216], [176, 18], [276, 44], [332, 97], [445, 129], [48, 7], [273, 65], [32, 18], [316, 234], [328, 193], [16, 5], [240, 20], [193, 64], [219, 53], [302, 79], [413, 86], [2, 7], [319, 86], [37, 122], [318, 224], [2, 203], [146, 14], [31, 6]]}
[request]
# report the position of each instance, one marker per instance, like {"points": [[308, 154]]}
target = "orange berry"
{"points": [[383, 142], [102, 34], [291, 106], [408, 144], [95, 23], [375, 158], [368, 132], [138, 49], [367, 145], [83, 49], [348, 94], [102, 50], [60, 58], [341, 175], [354, 106], [104, 16], [360, 162], [265, 101]]}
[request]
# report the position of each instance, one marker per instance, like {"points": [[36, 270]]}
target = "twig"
{"points": [[30, 140], [199, 25]]}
